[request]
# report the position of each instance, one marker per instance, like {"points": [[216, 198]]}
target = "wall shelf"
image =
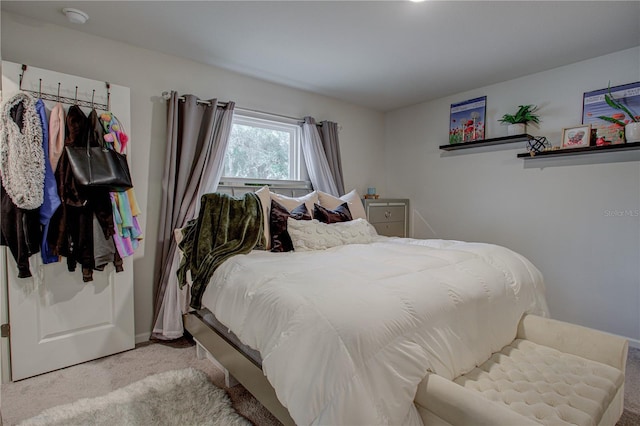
{"points": [[580, 151], [487, 142]]}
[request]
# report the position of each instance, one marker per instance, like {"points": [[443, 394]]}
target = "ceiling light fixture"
{"points": [[75, 16]]}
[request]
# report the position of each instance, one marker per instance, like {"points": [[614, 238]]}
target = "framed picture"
{"points": [[594, 107], [576, 137], [466, 120]]}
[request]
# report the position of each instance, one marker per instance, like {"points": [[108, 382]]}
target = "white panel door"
{"points": [[56, 319]]}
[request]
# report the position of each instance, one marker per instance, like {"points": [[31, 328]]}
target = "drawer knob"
{"points": [[387, 214]]}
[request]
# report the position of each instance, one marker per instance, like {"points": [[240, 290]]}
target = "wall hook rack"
{"points": [[65, 100]]}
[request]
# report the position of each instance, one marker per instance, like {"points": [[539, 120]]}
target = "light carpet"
{"points": [[178, 397], [26, 398], [631, 414]]}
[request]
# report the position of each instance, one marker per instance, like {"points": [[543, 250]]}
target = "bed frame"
{"points": [[224, 350], [236, 365]]}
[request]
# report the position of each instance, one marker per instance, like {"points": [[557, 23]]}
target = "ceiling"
{"points": [[379, 54]]}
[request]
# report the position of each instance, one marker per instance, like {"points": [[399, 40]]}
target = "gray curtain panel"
{"points": [[331, 144], [315, 158], [197, 138]]}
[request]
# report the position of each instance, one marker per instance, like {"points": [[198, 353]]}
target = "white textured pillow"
{"points": [[265, 199], [309, 235], [352, 198], [292, 202]]}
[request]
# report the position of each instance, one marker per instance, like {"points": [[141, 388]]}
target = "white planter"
{"points": [[516, 129], [632, 132]]}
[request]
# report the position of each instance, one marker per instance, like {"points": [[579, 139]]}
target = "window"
{"points": [[263, 150]]}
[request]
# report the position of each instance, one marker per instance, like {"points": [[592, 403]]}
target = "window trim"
{"points": [[297, 166], [233, 181]]}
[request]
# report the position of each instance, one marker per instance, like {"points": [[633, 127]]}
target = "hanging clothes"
{"points": [[104, 249], [70, 241], [125, 211], [22, 179], [72, 236], [124, 204], [20, 232], [56, 134], [43, 207], [21, 155], [51, 200], [100, 197]]}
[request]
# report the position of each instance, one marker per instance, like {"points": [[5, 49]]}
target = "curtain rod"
{"points": [[167, 95]]}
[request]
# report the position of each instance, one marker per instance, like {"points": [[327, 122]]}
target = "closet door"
{"points": [[57, 320]]}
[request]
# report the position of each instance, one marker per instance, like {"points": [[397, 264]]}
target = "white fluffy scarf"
{"points": [[21, 154]]}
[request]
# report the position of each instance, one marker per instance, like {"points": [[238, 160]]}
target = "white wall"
{"points": [[148, 74], [554, 212]]}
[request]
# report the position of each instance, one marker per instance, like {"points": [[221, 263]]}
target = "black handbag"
{"points": [[99, 167]]}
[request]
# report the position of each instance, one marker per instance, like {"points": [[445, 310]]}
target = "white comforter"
{"points": [[346, 334]]}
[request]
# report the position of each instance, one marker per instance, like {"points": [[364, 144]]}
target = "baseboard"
{"points": [[142, 337], [634, 343]]}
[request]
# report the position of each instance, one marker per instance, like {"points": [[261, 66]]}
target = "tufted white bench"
{"points": [[553, 373]]}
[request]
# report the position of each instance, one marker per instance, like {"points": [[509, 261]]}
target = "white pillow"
{"points": [[265, 199], [353, 201], [291, 203], [309, 235]]}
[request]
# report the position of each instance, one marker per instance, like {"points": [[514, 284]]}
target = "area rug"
{"points": [[178, 397]]}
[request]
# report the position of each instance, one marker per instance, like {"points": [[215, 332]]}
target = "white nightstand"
{"points": [[390, 216]]}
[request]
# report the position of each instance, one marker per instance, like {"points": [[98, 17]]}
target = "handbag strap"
{"points": [[94, 133]]}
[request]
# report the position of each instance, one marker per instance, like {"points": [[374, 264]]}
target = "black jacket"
{"points": [[71, 228]]}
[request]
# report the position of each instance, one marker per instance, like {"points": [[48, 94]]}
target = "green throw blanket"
{"points": [[225, 226]]}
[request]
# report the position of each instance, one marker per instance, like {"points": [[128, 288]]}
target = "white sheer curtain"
{"points": [[197, 138], [315, 159]]}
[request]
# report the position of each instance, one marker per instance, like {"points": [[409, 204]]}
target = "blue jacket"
{"points": [[51, 200]]}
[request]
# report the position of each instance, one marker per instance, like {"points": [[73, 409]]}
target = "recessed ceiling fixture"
{"points": [[75, 16], [417, 1]]}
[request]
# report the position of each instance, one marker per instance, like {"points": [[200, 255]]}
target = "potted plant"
{"points": [[631, 126], [518, 121]]}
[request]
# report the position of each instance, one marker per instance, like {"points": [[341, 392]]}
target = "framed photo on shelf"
{"points": [[594, 106], [576, 137], [466, 120]]}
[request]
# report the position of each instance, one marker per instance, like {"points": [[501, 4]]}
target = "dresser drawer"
{"points": [[386, 213], [390, 229]]}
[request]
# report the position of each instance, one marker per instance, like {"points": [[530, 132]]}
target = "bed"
{"points": [[342, 332]]}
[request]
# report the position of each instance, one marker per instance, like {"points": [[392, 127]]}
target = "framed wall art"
{"points": [[594, 107], [576, 137], [466, 120]]}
